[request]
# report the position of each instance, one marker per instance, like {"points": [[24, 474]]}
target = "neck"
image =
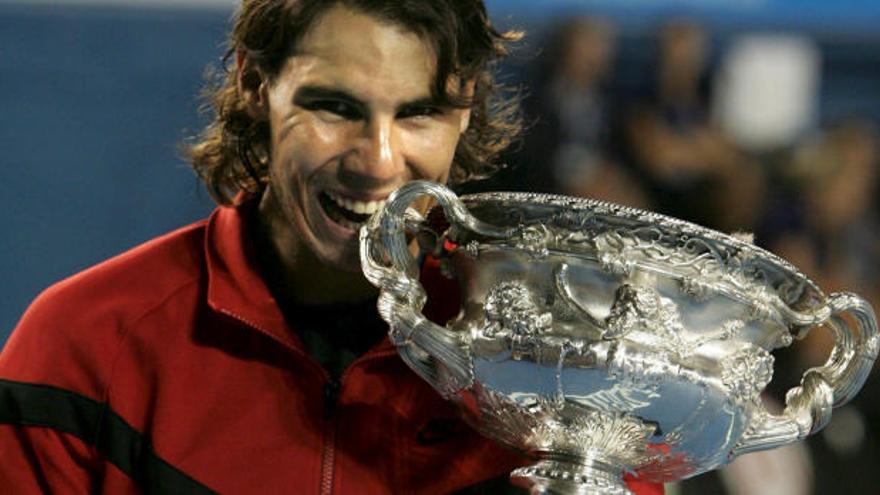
{"points": [[292, 271]]}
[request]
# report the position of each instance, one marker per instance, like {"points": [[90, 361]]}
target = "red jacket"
{"points": [[170, 368]]}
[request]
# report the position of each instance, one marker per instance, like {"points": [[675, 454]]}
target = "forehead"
{"points": [[373, 58]]}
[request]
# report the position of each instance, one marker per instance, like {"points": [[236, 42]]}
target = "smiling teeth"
{"points": [[359, 207]]}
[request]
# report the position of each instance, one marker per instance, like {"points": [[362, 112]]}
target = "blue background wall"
{"points": [[95, 101], [94, 104]]}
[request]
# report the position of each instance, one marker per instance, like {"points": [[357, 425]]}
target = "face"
{"points": [[684, 48], [352, 119], [589, 51]]}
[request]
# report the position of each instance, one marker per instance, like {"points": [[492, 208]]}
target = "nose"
{"points": [[377, 155]]}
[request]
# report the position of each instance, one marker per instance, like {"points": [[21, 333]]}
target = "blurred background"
{"points": [[755, 116]]}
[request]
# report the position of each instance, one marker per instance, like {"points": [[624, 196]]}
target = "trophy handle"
{"points": [[434, 352], [808, 406]]}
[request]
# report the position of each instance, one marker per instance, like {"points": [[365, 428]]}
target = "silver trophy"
{"points": [[602, 340]]}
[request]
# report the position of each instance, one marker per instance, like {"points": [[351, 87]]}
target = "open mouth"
{"points": [[346, 211]]}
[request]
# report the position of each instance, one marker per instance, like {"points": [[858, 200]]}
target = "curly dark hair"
{"points": [[227, 153]]}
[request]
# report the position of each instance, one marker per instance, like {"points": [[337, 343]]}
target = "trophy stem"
{"points": [[571, 476]]}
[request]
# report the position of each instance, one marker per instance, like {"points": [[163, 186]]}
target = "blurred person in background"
{"points": [[834, 229], [690, 169], [571, 110], [820, 216], [824, 220]]}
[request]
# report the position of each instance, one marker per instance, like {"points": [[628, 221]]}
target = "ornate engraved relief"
{"points": [[699, 289], [534, 239], [639, 306], [536, 426], [643, 308], [729, 329], [620, 438], [512, 313], [588, 480], [763, 304], [613, 253], [746, 373], [620, 236]]}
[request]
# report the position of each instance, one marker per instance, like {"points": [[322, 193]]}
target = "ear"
{"points": [[468, 91], [252, 86]]}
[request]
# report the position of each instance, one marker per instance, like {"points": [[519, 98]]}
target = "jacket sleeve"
{"points": [[51, 381], [36, 459]]}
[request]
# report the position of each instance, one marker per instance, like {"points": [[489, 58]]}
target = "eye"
{"points": [[340, 108], [419, 111]]}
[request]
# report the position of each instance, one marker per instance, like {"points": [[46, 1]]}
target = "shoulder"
{"points": [[128, 284], [70, 333]]}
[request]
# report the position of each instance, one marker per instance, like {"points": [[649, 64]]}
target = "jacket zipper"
{"points": [[331, 397], [332, 389], [328, 455]]}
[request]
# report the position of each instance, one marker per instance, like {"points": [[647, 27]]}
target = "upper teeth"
{"points": [[358, 207]]}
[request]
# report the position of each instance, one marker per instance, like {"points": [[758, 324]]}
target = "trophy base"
{"points": [[570, 477]]}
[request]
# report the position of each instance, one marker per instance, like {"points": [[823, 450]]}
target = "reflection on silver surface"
{"points": [[601, 339]]}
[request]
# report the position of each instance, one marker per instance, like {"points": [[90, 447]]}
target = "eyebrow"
{"points": [[312, 92]]}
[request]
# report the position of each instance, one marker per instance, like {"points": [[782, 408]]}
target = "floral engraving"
{"points": [[620, 438], [746, 373], [512, 313], [697, 288]]}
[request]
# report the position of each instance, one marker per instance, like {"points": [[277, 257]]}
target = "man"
{"points": [[244, 354]]}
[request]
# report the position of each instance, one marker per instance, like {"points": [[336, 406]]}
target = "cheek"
{"points": [[436, 151], [303, 148]]}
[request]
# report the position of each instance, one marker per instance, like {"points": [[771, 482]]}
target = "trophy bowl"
{"points": [[602, 340]]}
